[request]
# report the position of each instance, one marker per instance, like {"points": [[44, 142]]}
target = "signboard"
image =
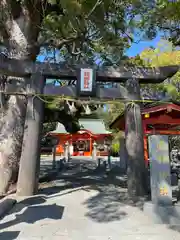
{"points": [[86, 82], [160, 172]]}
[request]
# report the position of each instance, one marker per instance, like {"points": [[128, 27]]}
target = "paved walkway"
{"points": [[81, 213]]}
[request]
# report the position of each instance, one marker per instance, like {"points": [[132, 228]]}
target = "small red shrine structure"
{"points": [[81, 143], [157, 118]]}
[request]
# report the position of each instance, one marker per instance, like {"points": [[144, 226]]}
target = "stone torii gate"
{"points": [[36, 73]]}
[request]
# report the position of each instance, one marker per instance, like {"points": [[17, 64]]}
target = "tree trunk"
{"points": [[137, 172], [19, 30], [30, 158], [11, 136]]}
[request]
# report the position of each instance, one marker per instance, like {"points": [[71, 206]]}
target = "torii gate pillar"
{"points": [[136, 171], [28, 179]]}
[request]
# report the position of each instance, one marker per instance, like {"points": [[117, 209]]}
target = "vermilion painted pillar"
{"points": [[90, 146], [145, 144], [146, 149]]}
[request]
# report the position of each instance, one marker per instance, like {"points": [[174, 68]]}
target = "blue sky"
{"points": [[137, 48]]}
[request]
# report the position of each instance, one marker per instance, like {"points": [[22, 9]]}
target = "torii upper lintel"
{"points": [[22, 68]]}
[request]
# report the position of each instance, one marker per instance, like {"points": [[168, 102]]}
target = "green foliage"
{"points": [[47, 127], [163, 55], [81, 29], [54, 103], [161, 15], [115, 147], [86, 29], [112, 112]]}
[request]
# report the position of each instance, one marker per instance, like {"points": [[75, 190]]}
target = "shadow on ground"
{"points": [[83, 174], [170, 216], [110, 186], [107, 205], [31, 211], [47, 173], [175, 228], [10, 235]]}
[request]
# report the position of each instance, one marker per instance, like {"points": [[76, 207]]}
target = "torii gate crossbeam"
{"points": [[21, 68]]}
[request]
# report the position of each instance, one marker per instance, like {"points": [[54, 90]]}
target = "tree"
{"points": [[19, 35], [63, 111], [160, 16], [163, 55]]}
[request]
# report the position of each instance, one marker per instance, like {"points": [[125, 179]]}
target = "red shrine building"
{"points": [[81, 143], [157, 118]]}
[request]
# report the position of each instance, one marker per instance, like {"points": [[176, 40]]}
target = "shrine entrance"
{"points": [[90, 88]]}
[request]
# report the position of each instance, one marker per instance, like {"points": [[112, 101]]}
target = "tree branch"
{"points": [[72, 50], [93, 9], [58, 44]]}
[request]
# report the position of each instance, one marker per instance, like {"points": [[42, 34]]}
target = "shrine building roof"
{"points": [[154, 107], [95, 126]]}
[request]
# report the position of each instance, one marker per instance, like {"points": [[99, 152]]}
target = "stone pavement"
{"points": [[81, 213]]}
